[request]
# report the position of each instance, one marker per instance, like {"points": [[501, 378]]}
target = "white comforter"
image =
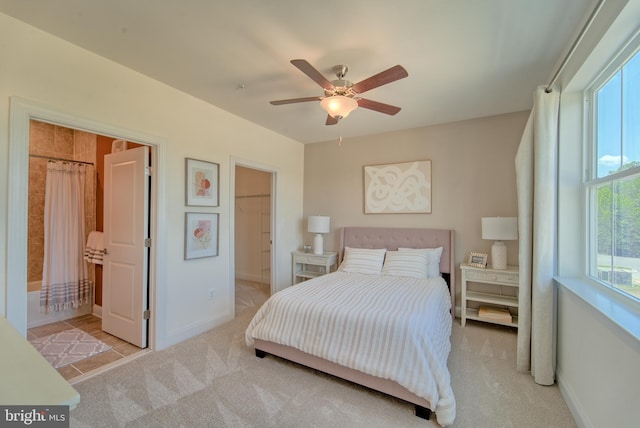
{"points": [[391, 327]]}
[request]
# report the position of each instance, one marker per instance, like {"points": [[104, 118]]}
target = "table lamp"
{"points": [[318, 224], [499, 229]]}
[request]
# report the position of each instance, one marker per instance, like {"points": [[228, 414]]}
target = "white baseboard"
{"points": [[570, 398], [195, 329], [97, 310]]}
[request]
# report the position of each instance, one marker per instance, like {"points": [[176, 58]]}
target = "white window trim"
{"points": [[591, 179]]}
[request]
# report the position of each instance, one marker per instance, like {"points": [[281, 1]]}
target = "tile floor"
{"points": [[248, 294], [92, 325]]}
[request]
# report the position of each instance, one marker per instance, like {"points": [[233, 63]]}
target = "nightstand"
{"points": [[496, 277], [309, 265]]}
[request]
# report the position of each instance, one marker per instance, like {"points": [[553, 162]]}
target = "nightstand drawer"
{"points": [[506, 278], [316, 260]]}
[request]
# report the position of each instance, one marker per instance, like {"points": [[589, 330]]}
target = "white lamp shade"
{"points": [[339, 106], [319, 224], [500, 228]]}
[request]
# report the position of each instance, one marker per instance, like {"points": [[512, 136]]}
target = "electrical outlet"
{"points": [[212, 293]]}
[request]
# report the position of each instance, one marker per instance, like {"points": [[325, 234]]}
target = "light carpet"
{"points": [[215, 380], [69, 346]]}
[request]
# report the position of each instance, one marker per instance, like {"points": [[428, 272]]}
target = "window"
{"points": [[613, 183]]}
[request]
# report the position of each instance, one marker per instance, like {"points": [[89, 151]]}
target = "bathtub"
{"points": [[36, 318]]}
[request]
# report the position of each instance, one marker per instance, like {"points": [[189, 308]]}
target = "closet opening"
{"points": [[253, 238]]}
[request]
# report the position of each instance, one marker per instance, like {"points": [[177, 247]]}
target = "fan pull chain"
{"points": [[340, 141]]}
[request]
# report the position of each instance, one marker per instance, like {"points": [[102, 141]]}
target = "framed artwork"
{"points": [[200, 235], [202, 182], [398, 188], [478, 260]]}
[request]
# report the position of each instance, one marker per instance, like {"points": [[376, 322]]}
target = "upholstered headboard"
{"points": [[393, 238]]}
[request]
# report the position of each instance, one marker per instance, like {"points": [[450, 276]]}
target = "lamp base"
{"points": [[317, 244], [499, 255]]}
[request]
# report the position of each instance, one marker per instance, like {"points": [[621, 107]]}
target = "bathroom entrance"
{"points": [[116, 191]]}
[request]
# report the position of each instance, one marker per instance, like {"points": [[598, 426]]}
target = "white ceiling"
{"points": [[465, 58]]}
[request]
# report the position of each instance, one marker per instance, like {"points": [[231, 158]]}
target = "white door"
{"points": [[126, 205]]}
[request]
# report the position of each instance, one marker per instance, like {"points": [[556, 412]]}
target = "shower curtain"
{"points": [[65, 279]]}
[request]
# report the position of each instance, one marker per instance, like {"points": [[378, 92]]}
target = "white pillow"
{"points": [[362, 260], [412, 264], [433, 259]]}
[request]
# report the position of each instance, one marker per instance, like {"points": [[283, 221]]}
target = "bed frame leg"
{"points": [[260, 353], [423, 412]]}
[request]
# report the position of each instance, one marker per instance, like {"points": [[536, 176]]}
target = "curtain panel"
{"points": [[65, 279], [536, 175]]}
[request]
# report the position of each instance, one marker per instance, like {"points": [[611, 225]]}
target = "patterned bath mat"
{"points": [[69, 346]]}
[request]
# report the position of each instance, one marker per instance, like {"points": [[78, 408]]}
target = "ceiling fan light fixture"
{"points": [[339, 106], [341, 97]]}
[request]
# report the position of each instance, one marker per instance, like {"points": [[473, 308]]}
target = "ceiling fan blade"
{"points": [[314, 74], [391, 75], [331, 120], [295, 100], [380, 107]]}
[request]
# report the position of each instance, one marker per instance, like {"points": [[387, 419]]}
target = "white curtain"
{"points": [[536, 166], [65, 279]]}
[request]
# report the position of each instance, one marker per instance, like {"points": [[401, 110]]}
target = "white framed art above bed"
{"points": [[398, 188]]}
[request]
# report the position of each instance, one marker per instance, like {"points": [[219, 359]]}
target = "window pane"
{"points": [[618, 235], [614, 189], [609, 132], [604, 234], [626, 257], [631, 112]]}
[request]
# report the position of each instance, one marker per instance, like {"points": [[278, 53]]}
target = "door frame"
{"points": [[22, 111], [232, 220]]}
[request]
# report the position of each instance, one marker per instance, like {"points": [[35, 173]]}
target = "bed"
{"points": [[400, 353]]}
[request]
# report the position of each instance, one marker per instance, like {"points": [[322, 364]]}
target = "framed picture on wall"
{"points": [[202, 183], [398, 188], [201, 235]]}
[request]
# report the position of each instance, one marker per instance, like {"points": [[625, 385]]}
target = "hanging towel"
{"points": [[94, 249]]}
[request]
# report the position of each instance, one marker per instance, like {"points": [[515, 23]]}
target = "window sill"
{"points": [[620, 310]]}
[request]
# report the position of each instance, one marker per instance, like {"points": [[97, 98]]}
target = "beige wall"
{"points": [[473, 175]]}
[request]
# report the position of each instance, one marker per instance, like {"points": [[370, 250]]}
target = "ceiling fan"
{"points": [[341, 96]]}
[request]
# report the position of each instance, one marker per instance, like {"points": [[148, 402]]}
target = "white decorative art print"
{"points": [[398, 188], [201, 235], [202, 180]]}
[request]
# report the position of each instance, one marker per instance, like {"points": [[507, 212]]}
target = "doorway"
{"points": [[253, 207], [53, 145], [23, 112]]}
